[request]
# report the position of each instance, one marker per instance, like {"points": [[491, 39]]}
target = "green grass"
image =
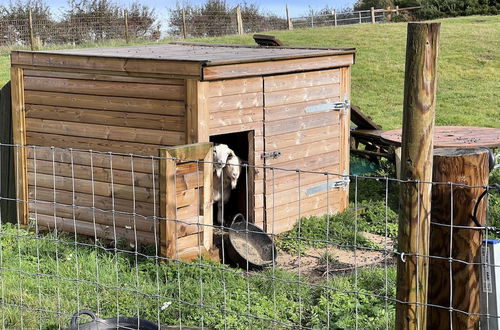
{"points": [[4, 69], [469, 67], [74, 277]]}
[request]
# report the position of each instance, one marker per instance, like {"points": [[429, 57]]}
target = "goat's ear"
{"points": [[231, 155]]}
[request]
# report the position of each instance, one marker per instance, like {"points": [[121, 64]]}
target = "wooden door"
{"points": [[185, 200], [305, 128]]}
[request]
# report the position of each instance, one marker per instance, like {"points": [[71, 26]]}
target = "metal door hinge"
{"points": [[344, 106], [271, 155]]}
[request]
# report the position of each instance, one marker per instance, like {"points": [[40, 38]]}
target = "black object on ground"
{"points": [[111, 323], [249, 247]]}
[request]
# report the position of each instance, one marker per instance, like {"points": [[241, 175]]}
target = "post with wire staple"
{"points": [[416, 171]]}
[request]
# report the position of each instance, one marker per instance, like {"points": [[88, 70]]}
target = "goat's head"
{"points": [[221, 153], [233, 169]]}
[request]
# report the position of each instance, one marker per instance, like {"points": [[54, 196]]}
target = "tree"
{"points": [[97, 20], [216, 18], [436, 8], [14, 21], [377, 4], [142, 22]]}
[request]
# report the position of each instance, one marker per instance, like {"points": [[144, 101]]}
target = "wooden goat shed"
{"points": [[285, 107]]}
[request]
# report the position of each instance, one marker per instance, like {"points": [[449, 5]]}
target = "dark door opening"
{"points": [[241, 199]]}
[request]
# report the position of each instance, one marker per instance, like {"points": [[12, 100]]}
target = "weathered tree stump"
{"points": [[453, 203]]}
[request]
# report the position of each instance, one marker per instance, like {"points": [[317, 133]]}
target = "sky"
{"points": [[296, 7]]}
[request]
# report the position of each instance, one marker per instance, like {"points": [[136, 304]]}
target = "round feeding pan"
{"points": [[454, 137], [114, 323], [249, 246]]}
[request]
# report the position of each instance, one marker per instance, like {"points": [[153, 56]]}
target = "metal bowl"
{"points": [[249, 247], [114, 323]]}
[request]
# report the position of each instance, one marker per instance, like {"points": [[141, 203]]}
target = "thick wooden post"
{"points": [[32, 34], [184, 27], [359, 14], [288, 19], [372, 14], [335, 17], [239, 20], [416, 165], [127, 37], [453, 204]]}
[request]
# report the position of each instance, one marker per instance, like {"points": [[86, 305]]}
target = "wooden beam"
{"points": [[168, 207], [207, 202], [466, 168], [103, 64], [196, 111], [345, 124], [226, 71], [19, 138], [418, 127], [361, 120]]}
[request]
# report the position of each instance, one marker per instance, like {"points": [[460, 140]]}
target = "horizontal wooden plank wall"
{"points": [[236, 105], [301, 125], [101, 193]]}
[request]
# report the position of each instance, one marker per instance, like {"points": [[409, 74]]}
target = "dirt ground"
{"points": [[312, 265]]}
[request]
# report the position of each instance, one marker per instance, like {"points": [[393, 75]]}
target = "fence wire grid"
{"points": [[93, 243], [78, 31]]}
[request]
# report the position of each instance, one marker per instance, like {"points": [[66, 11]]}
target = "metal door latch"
{"points": [[344, 106]]}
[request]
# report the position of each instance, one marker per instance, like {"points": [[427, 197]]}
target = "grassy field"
{"points": [[46, 278], [38, 272], [469, 67]]}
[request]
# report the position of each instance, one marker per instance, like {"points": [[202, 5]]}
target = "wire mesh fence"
{"points": [[95, 240], [336, 19], [74, 31], [183, 23]]}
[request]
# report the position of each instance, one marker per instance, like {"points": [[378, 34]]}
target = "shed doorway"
{"points": [[241, 199]]}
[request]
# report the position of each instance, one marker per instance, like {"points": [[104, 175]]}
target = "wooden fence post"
{"points": [[372, 13], [184, 27], [288, 19], [335, 17], [454, 205], [127, 37], [359, 14], [239, 21], [416, 168], [31, 32], [397, 10], [388, 13]]}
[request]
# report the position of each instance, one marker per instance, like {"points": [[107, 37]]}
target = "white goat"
{"points": [[222, 186], [221, 153]]}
